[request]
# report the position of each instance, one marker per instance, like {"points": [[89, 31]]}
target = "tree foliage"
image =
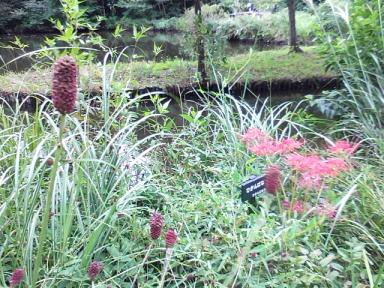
{"points": [[359, 40], [16, 16], [35, 14]]}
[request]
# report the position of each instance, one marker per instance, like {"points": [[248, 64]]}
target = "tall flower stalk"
{"points": [[64, 90], [156, 226]]}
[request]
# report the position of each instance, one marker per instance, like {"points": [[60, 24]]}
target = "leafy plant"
{"points": [[356, 52], [76, 35]]}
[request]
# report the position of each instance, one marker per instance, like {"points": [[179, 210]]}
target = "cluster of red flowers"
{"points": [[170, 238], [314, 168], [343, 146], [253, 134], [261, 144], [156, 225]]}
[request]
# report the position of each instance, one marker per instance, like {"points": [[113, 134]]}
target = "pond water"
{"points": [[177, 107], [173, 45]]}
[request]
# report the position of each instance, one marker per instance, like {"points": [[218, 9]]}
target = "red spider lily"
{"points": [[343, 146]]}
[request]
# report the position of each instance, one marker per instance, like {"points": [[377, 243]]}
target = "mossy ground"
{"points": [[255, 66]]}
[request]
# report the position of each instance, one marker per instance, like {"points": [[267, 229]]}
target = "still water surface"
{"points": [[173, 45]]}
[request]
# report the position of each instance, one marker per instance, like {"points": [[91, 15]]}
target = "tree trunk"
{"points": [[200, 42], [294, 46]]}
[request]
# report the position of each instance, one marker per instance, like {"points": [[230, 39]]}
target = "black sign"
{"points": [[252, 187]]}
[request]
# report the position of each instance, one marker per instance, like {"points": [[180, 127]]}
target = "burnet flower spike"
{"points": [[272, 180], [170, 238], [64, 91], [94, 269], [156, 225], [16, 277], [64, 84]]}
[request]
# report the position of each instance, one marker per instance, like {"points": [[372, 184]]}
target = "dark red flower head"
{"points": [[272, 179], [191, 277], [16, 277], [170, 238], [156, 223], [94, 269], [64, 84], [50, 161]]}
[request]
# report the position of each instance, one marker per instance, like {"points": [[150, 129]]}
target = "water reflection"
{"points": [[173, 45]]}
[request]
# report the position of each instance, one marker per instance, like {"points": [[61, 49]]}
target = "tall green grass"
{"points": [[91, 187], [101, 209], [356, 52]]}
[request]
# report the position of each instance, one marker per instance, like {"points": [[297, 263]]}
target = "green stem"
{"points": [[142, 264], [47, 208], [293, 196], [168, 256]]}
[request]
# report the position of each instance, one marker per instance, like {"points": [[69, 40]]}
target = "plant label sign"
{"points": [[252, 187]]}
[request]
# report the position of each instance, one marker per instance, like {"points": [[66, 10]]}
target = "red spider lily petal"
{"points": [[265, 148], [314, 165], [254, 135], [289, 145], [311, 181], [271, 147], [343, 146]]}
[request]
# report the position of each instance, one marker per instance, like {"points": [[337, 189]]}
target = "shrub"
{"points": [[269, 26]]}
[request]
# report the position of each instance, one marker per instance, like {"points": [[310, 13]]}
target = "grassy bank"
{"points": [[256, 66]]}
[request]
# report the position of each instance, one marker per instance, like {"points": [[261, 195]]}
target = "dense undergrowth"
{"points": [[110, 182], [320, 225]]}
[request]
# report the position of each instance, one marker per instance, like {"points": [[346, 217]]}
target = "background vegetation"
{"points": [[124, 158], [35, 15]]}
